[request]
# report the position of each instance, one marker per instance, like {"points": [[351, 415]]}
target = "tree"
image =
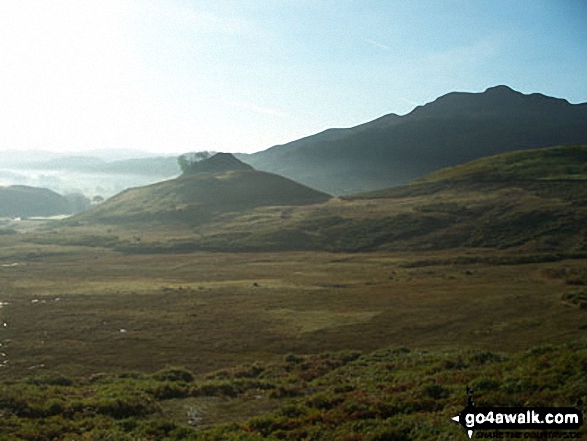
{"points": [[187, 160], [184, 164], [97, 199]]}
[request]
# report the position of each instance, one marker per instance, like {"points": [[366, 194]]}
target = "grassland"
{"points": [[531, 201], [390, 394], [209, 310], [555, 163], [270, 344], [196, 198]]}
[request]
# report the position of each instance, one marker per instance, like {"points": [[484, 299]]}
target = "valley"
{"points": [[279, 345], [236, 304], [209, 311]]}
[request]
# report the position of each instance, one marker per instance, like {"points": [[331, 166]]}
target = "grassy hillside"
{"points": [[531, 201], [556, 163], [24, 201], [196, 197]]}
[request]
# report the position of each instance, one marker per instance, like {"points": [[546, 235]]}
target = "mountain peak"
{"points": [[498, 101], [501, 88], [220, 162]]}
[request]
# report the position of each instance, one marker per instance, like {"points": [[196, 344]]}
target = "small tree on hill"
{"points": [[186, 161]]}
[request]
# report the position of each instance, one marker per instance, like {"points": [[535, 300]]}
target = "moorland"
{"points": [[357, 318]]}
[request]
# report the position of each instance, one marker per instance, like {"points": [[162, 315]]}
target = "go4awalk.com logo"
{"points": [[512, 419]]}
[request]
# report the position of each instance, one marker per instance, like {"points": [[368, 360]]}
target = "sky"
{"points": [[173, 76]]}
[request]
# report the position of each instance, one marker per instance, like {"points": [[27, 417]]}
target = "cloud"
{"points": [[377, 44]]}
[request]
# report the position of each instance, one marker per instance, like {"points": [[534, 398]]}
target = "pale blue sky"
{"points": [[180, 75]]}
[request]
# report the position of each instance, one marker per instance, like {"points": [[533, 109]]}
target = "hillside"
{"points": [[549, 164], [454, 129], [560, 170], [531, 201], [24, 201], [217, 185]]}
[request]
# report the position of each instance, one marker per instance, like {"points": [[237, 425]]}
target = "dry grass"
{"points": [[206, 311]]}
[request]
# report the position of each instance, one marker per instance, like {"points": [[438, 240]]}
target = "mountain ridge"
{"points": [[530, 201], [455, 128]]}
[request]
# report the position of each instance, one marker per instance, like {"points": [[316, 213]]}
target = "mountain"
{"points": [[24, 201], [215, 185], [454, 129], [532, 201]]}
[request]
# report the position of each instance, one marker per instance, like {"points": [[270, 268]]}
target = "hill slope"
{"points": [[556, 170], [24, 201], [217, 185], [455, 128], [532, 201]]}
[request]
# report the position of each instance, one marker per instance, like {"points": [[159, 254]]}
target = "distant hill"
{"points": [[24, 201], [454, 129], [66, 173], [216, 185], [43, 158], [162, 166], [531, 201]]}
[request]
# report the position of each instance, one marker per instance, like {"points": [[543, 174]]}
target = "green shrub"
{"points": [[118, 408], [436, 391], [132, 375], [484, 357], [251, 371], [168, 391], [57, 380], [287, 391], [324, 401], [174, 374], [485, 383], [220, 389], [292, 358]]}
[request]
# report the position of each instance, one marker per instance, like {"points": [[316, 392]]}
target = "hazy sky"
{"points": [[183, 75]]}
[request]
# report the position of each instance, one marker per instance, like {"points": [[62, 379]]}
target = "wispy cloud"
{"points": [[377, 44], [254, 108]]}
